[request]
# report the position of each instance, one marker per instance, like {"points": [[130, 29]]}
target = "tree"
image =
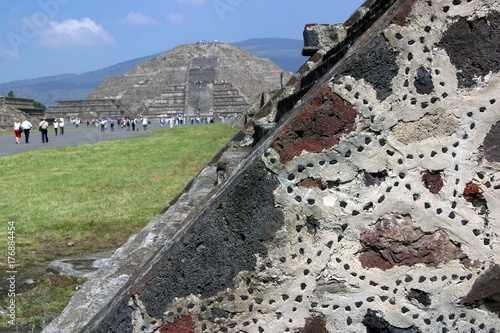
{"points": [[38, 105], [10, 94]]}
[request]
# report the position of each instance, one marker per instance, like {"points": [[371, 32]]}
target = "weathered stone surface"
{"points": [[427, 127], [83, 267], [397, 241], [320, 125], [322, 36]]}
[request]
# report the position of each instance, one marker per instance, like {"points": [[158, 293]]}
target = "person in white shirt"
{"points": [[44, 130], [61, 126], [17, 130], [56, 126], [26, 125]]}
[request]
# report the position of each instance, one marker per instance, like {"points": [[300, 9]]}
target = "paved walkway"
{"points": [[73, 136]]}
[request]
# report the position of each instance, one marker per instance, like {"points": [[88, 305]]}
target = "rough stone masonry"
{"points": [[369, 202]]}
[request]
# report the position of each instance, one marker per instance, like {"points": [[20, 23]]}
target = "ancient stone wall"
{"points": [[18, 103], [370, 204], [227, 100], [12, 108], [170, 103], [87, 109]]}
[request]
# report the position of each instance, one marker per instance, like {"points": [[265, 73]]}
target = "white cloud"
{"points": [[137, 18], [75, 33], [192, 2], [175, 17]]}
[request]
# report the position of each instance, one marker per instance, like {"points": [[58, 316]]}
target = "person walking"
{"points": [[44, 130], [26, 125], [61, 126], [56, 126], [145, 123], [17, 130]]}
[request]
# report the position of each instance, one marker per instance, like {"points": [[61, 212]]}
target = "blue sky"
{"points": [[50, 37]]}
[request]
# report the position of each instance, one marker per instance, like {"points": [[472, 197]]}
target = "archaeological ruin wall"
{"points": [[12, 108], [24, 105], [369, 201], [87, 109]]}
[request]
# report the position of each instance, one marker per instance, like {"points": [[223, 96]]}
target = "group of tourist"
{"points": [[131, 124], [111, 123], [26, 126], [22, 127]]}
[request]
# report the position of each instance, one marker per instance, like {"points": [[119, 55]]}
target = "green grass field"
{"points": [[94, 197]]}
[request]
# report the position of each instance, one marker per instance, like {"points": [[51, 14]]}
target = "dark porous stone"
{"points": [[433, 181], [377, 66], [471, 46], [486, 291], [316, 323], [402, 16], [319, 125], [119, 321], [375, 178], [397, 242], [491, 144], [232, 230], [312, 182], [420, 296], [375, 323], [180, 325], [423, 81]]}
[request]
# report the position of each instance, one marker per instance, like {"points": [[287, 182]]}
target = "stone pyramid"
{"points": [[192, 80]]}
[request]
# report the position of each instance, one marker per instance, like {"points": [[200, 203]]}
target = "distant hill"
{"points": [[66, 86], [286, 53]]}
